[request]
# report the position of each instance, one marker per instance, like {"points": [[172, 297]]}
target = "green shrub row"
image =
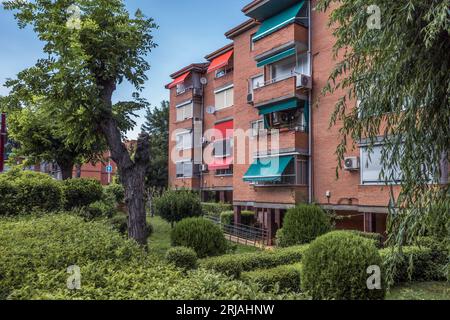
{"points": [[182, 257], [215, 209], [376, 237], [247, 218], [234, 264], [282, 278]]}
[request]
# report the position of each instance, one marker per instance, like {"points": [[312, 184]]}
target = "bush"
{"points": [[173, 206], [335, 267], [115, 191], [81, 192], [120, 222], [23, 192], [36, 252], [202, 235], [227, 218], [282, 278], [303, 224], [233, 264], [248, 217], [182, 257], [375, 237], [414, 264], [215, 209]]}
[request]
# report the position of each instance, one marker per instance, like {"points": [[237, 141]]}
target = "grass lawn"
{"points": [[159, 241], [421, 291]]}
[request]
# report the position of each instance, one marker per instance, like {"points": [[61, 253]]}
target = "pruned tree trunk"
{"points": [[78, 170], [132, 173], [66, 170]]}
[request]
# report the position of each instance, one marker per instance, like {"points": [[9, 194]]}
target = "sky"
{"points": [[188, 31]]}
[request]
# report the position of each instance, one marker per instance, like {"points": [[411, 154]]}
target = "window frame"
{"points": [[183, 147], [183, 106], [363, 150], [225, 91]]}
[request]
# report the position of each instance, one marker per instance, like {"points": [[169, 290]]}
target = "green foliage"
{"points": [[202, 235], [175, 205], [226, 217], [120, 222], [96, 210], [81, 192], [415, 264], [233, 264], [182, 257], [23, 192], [375, 237], [303, 224], [157, 126], [335, 265], [36, 253], [215, 209], [115, 191], [411, 117], [282, 278]]}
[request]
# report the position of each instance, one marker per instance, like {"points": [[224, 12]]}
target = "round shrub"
{"points": [[182, 257], [303, 224], [81, 192], [175, 205], [115, 191], [226, 218], [23, 192], [205, 237], [335, 267]]}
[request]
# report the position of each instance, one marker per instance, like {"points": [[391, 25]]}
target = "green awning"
{"points": [[278, 21], [276, 57], [280, 106], [267, 169]]}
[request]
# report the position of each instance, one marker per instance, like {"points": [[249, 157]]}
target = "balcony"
{"points": [[182, 90]]}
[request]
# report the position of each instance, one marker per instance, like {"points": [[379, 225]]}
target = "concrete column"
{"points": [[222, 196], [278, 218], [369, 222], [237, 215], [270, 225]]}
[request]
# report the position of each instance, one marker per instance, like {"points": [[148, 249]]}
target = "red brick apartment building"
{"points": [[266, 79]]}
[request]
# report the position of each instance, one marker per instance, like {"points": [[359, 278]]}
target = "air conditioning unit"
{"points": [[351, 163], [304, 81], [250, 98], [204, 167]]}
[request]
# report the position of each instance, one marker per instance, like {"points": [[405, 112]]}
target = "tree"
{"points": [[40, 138], [157, 126], [400, 75], [91, 48]]}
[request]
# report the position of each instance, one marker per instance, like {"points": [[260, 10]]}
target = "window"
{"points": [[185, 111], [184, 141], [257, 128], [256, 82], [225, 172], [223, 72], [283, 69], [224, 98], [184, 169], [371, 167], [181, 88], [303, 64], [223, 148]]}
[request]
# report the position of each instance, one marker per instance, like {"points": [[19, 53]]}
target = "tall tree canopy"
{"points": [[157, 126], [92, 46], [400, 75]]}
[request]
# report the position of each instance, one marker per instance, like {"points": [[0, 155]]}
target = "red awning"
{"points": [[179, 80], [221, 163], [221, 61], [225, 129]]}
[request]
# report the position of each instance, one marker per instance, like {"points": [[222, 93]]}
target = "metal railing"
{"points": [[243, 234]]}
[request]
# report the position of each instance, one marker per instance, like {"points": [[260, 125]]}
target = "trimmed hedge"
{"points": [[202, 235], [376, 237], [81, 192], [215, 209], [234, 264], [415, 264], [24, 192], [182, 257], [284, 278], [303, 224], [335, 267], [227, 218], [176, 205]]}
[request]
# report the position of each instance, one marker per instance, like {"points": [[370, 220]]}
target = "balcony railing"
{"points": [[196, 91]]}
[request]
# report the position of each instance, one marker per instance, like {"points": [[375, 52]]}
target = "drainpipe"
{"points": [[310, 192], [202, 115]]}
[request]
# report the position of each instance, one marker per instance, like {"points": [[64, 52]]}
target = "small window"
{"points": [[258, 128], [184, 169], [223, 148], [283, 69], [225, 172], [184, 141], [371, 167], [185, 111], [224, 98], [256, 82]]}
